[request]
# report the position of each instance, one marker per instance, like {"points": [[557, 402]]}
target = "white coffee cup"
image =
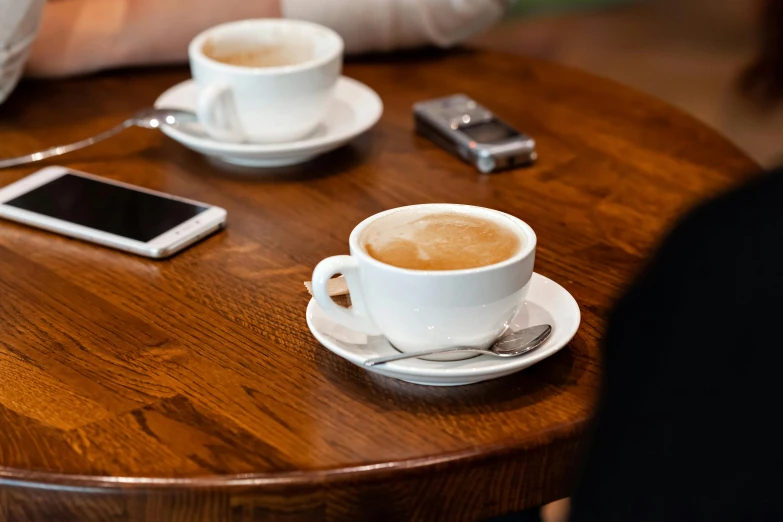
{"points": [[265, 104], [418, 310]]}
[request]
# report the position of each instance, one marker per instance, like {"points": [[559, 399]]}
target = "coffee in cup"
{"points": [[257, 55], [265, 81], [432, 276], [439, 241]]}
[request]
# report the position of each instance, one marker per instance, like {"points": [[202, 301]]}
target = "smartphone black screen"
{"points": [[110, 208]]}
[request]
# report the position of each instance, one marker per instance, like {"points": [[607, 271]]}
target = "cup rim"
{"points": [[528, 248], [195, 51]]}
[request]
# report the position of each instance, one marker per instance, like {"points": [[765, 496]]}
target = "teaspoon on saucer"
{"points": [[147, 118], [510, 345]]}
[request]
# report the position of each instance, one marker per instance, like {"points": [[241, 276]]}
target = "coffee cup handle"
{"points": [[356, 317], [217, 113]]}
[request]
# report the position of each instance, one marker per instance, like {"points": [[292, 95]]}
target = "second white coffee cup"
{"points": [[265, 104], [417, 310]]}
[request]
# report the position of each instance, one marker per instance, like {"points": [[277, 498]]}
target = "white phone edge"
{"points": [[165, 245]]}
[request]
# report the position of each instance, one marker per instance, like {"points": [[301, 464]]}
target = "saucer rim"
{"points": [[444, 370], [302, 145]]}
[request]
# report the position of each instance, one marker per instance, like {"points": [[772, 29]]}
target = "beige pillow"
{"points": [[385, 25]]}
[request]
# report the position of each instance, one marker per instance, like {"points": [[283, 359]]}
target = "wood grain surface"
{"points": [[191, 389]]}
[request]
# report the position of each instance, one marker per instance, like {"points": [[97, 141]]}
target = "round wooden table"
{"points": [[191, 389]]}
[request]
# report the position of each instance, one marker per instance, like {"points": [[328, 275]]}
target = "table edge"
{"points": [[36, 479]]}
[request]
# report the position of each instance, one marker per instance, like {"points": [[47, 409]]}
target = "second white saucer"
{"points": [[354, 109], [547, 303]]}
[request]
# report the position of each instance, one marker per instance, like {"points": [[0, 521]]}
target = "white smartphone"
{"points": [[107, 212]]}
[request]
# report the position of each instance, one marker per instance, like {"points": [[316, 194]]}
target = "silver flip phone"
{"points": [[471, 131]]}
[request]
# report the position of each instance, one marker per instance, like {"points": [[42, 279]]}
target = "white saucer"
{"points": [[547, 303], [354, 109]]}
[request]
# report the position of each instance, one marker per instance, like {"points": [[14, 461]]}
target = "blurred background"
{"points": [[689, 53]]}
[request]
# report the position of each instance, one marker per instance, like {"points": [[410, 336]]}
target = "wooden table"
{"points": [[145, 390]]}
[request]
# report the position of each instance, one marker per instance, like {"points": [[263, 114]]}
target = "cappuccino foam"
{"points": [[261, 55], [439, 241]]}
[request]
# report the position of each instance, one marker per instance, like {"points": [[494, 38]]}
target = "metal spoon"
{"points": [[510, 345], [147, 118]]}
